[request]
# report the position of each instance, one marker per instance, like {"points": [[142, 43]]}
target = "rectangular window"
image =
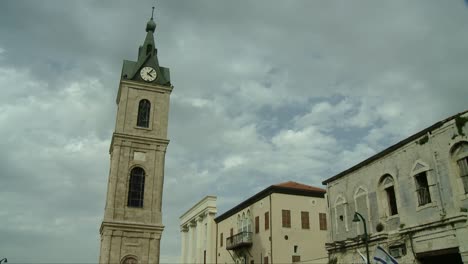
{"points": [[221, 240], [391, 200], [232, 234], [257, 224], [463, 165], [296, 259], [305, 220], [267, 220], [323, 221], [265, 260], [286, 218], [422, 188]]}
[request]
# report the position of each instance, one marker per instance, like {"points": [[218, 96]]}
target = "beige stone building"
{"points": [[284, 223], [132, 225], [198, 232], [412, 195]]}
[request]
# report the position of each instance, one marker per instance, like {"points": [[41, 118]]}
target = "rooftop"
{"points": [[289, 187], [394, 147]]}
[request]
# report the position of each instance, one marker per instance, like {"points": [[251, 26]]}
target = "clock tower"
{"points": [[132, 226]]}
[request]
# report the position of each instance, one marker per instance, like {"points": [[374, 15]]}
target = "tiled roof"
{"points": [[299, 186], [290, 187]]}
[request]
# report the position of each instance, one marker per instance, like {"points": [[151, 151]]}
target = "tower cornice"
{"points": [[143, 86], [139, 139]]}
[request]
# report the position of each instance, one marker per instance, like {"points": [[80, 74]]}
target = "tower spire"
{"points": [[152, 12]]}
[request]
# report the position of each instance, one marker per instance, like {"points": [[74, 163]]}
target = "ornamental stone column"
{"points": [[193, 241], [199, 248], [184, 233], [210, 249]]}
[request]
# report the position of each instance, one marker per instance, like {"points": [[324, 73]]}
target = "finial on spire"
{"points": [[151, 26]]}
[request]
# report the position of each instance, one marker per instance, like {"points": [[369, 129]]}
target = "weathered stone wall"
{"points": [[421, 228]]}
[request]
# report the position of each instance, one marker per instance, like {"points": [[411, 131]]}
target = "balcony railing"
{"points": [[242, 239], [424, 196]]}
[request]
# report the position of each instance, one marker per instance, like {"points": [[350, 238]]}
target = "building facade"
{"points": [[132, 225], [284, 223], [198, 232], [413, 197]]}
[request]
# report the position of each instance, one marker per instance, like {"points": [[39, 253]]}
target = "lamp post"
{"points": [[356, 219], [4, 259]]}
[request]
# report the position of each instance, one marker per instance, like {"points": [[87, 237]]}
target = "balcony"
{"points": [[240, 240]]}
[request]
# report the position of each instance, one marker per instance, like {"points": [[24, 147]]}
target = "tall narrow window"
{"points": [[422, 188], [265, 260], [257, 224], [286, 218], [248, 219], [388, 187], [323, 221], [136, 187], [143, 118], [463, 167], [391, 200], [267, 220], [460, 155], [221, 240], [305, 220]]}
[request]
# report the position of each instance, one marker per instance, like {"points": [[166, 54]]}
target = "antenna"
{"points": [[152, 12]]}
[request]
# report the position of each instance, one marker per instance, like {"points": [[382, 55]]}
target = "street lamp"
{"points": [[4, 259], [356, 219]]}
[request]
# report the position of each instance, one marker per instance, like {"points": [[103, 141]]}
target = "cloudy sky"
{"points": [[265, 92]]}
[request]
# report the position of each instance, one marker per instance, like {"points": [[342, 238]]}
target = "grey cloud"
{"points": [[247, 76]]}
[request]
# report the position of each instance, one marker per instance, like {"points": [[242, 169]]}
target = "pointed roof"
{"points": [[147, 56], [289, 187]]}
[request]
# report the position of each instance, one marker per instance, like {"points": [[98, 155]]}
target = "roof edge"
{"points": [[393, 147], [264, 193]]}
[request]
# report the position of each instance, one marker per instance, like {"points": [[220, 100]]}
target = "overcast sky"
{"points": [[265, 92]]}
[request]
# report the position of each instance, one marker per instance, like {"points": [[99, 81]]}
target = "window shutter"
{"points": [[305, 220], [267, 220], [286, 218], [257, 224], [323, 221]]}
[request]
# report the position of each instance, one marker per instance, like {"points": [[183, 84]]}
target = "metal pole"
{"points": [[365, 236]]}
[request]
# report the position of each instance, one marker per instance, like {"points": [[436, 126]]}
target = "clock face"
{"points": [[148, 74]]}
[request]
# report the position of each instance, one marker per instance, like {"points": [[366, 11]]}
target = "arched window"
{"points": [[129, 260], [387, 186], [244, 222], [144, 108], [136, 187], [361, 203], [340, 212], [249, 221], [460, 155]]}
